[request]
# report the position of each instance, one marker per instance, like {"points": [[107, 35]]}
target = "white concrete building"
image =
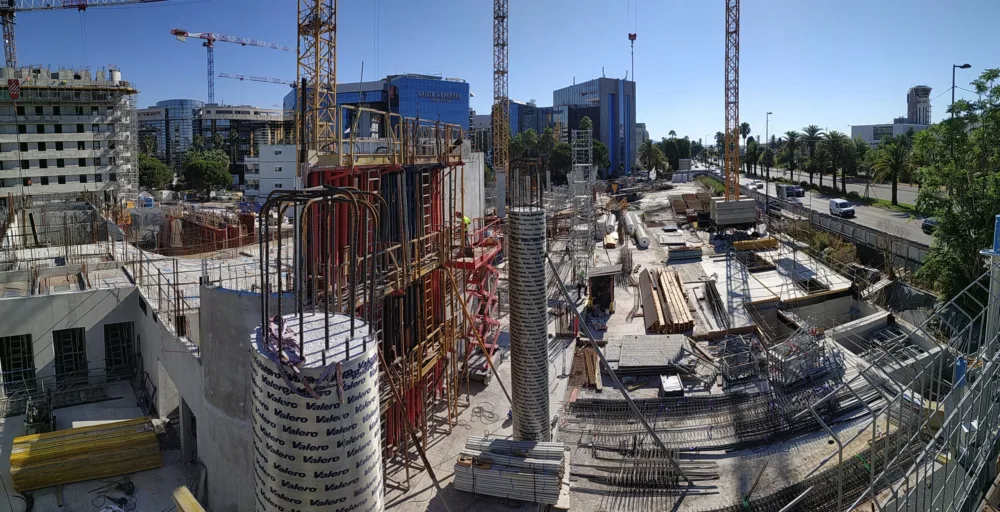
{"points": [[272, 169], [874, 133], [69, 131]]}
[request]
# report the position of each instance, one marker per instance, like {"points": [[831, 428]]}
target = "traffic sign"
{"points": [[14, 88]]}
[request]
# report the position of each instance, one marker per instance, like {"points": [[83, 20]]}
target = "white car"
{"points": [[841, 208]]}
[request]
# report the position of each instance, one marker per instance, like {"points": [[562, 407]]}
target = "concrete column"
{"points": [[501, 193], [187, 433]]}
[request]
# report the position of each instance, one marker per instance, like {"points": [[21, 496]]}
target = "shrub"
{"points": [[853, 195], [804, 185]]}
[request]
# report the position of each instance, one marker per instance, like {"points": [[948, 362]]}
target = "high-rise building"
{"points": [[918, 105], [614, 100], [69, 131]]}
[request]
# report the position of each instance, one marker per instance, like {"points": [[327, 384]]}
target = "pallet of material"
{"points": [[679, 206], [592, 364], [683, 252], [756, 245], [86, 453], [521, 470], [678, 315]]}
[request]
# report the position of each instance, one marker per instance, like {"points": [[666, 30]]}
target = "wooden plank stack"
{"points": [[521, 470], [671, 302], [756, 245], [592, 365], [86, 453], [185, 501]]}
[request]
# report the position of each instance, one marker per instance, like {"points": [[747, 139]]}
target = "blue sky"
{"points": [[832, 63]]}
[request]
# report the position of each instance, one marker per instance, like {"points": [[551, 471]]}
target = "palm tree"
{"points": [[891, 160], [766, 159], [792, 143], [720, 141], [861, 149], [647, 155], [837, 143], [744, 132], [811, 135], [823, 158], [672, 133], [216, 140], [752, 149], [233, 140]]}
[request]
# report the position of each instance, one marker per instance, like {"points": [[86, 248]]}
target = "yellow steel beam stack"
{"points": [[86, 453]]}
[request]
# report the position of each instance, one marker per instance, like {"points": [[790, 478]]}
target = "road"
{"points": [[906, 194], [893, 222]]}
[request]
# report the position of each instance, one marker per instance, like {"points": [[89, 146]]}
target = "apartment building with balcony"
{"points": [[67, 131], [272, 169]]}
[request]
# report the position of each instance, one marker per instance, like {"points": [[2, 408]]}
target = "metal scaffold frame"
{"points": [[581, 184]]}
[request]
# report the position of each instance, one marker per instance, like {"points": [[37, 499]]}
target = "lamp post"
{"points": [[953, 68], [767, 179]]}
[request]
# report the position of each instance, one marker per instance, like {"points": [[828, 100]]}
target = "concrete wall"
{"points": [[833, 312], [474, 193], [91, 310]]}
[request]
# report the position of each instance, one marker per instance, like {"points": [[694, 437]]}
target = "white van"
{"points": [[841, 208]]}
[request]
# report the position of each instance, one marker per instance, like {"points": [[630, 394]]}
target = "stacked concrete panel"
{"points": [[529, 353], [743, 211], [318, 454]]}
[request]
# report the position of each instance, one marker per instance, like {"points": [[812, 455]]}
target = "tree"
{"points": [[811, 135], [792, 143], [861, 150], [720, 141], [683, 148], [823, 159], [216, 140], [198, 143], [602, 158], [837, 144], [751, 155], [207, 175], [561, 162], [647, 155], [147, 146], [672, 134], [233, 141], [767, 160], [744, 132], [153, 174], [671, 152], [586, 124], [891, 160]]}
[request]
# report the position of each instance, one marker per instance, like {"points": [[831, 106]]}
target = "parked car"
{"points": [[841, 208], [929, 225]]}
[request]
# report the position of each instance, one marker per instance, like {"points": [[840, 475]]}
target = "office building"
{"points": [[918, 105], [874, 133], [69, 131], [273, 168], [424, 97], [171, 125], [614, 100]]}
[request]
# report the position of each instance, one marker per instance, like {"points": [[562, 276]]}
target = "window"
{"points": [[111, 145], [39, 128], [83, 178], [96, 128], [78, 111], [79, 128], [62, 180], [97, 144], [277, 185], [58, 128], [41, 146], [112, 160], [59, 146], [24, 146], [94, 110], [119, 351], [277, 152], [112, 176], [82, 162], [71, 355], [45, 180], [277, 168], [22, 128], [60, 162], [24, 164], [20, 110], [56, 111], [97, 161], [38, 111], [26, 182], [17, 359], [43, 164], [98, 178], [81, 145]]}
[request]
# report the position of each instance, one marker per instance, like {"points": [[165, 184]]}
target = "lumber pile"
{"points": [[756, 245], [666, 306], [521, 470], [86, 453], [592, 366]]}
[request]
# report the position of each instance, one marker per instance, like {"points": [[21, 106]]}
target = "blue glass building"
{"points": [[425, 97], [171, 123], [616, 127]]}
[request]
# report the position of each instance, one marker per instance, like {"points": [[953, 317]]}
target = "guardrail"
{"points": [[910, 254]]}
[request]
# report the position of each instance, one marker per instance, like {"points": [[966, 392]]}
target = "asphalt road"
{"points": [[906, 194], [896, 223]]}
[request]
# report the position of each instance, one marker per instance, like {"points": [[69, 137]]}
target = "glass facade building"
{"points": [[171, 124], [615, 100]]}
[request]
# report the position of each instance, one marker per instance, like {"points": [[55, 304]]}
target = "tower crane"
{"points": [[731, 164], [210, 39], [501, 102], [316, 70], [264, 79], [8, 8]]}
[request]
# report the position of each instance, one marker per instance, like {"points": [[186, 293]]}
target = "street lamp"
{"points": [[767, 179], [953, 68]]}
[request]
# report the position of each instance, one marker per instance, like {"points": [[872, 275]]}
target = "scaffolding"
{"points": [[581, 183]]}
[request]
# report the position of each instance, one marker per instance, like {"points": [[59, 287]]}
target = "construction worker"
{"points": [[581, 283], [466, 228]]}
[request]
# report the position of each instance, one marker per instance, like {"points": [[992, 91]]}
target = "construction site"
{"points": [[406, 333]]}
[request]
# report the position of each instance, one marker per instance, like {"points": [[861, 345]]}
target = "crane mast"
{"points": [[316, 115], [501, 103], [732, 134]]}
